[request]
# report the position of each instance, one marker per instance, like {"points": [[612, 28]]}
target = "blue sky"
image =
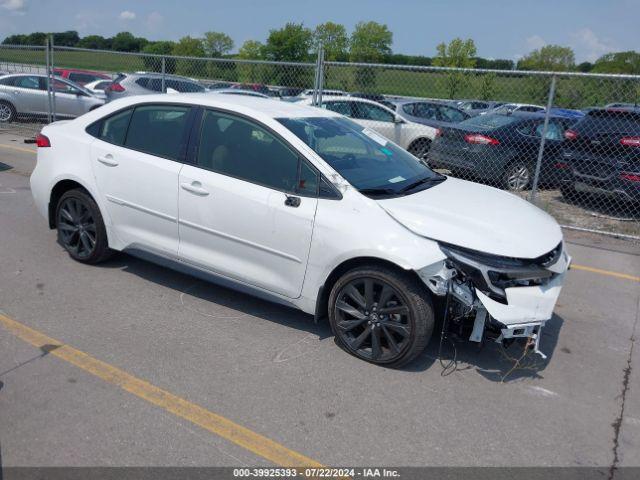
{"points": [[500, 28]]}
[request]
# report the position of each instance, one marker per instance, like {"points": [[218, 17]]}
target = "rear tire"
{"points": [[7, 112], [381, 315], [81, 229], [420, 148]]}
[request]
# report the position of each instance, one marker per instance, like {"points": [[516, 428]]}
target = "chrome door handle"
{"points": [[108, 160], [194, 187]]}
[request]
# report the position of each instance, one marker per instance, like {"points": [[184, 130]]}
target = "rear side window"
{"points": [[82, 77], [489, 121], [143, 82], [609, 121], [114, 128], [343, 108], [158, 130]]}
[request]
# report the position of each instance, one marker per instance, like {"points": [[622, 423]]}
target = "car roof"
{"points": [[251, 105]]}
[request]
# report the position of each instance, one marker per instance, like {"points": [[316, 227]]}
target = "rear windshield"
{"points": [[604, 121], [490, 121]]}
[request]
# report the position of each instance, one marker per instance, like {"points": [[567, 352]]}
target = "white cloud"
{"points": [[127, 15], [535, 42], [17, 7], [587, 45], [154, 21]]}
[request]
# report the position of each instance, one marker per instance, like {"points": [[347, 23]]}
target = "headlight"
{"points": [[492, 274]]}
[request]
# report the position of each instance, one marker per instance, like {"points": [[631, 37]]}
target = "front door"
{"points": [[244, 212]]}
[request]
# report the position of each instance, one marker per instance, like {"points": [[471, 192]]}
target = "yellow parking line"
{"points": [[19, 149], [225, 428], [605, 272]]}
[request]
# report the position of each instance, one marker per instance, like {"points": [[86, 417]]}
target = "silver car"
{"points": [[25, 95], [145, 83]]}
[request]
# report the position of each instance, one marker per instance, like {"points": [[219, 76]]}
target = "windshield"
{"points": [[366, 159]]}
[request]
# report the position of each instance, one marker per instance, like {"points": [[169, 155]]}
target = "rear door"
{"points": [[247, 206], [70, 100], [30, 94], [377, 118], [136, 161]]}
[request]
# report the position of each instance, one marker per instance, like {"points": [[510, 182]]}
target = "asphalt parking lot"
{"points": [[129, 363]]}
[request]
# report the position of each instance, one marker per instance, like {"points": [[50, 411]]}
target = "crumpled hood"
{"points": [[478, 217]]}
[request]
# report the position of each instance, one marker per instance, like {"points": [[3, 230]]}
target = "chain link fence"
{"points": [[568, 142]]}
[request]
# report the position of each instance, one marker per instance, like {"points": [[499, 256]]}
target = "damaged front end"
{"points": [[495, 297]]}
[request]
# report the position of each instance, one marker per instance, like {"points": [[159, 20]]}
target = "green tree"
{"points": [[36, 38], [70, 38], [217, 44], [549, 58], [333, 37], [584, 67], [126, 42], [370, 42], [458, 53], [618, 62], [154, 64], [96, 42], [189, 47], [15, 40], [251, 50], [290, 43]]}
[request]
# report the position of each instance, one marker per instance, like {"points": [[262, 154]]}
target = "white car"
{"points": [[412, 136], [304, 207], [97, 87]]}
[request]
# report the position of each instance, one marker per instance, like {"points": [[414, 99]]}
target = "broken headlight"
{"points": [[492, 274]]}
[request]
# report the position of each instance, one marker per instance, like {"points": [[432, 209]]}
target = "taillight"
{"points": [[562, 165], [632, 177], [630, 141], [115, 87], [478, 139], [438, 132], [42, 141], [571, 134]]}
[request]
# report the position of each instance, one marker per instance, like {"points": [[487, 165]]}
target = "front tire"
{"points": [[81, 229], [381, 315], [420, 148], [517, 176], [7, 112]]}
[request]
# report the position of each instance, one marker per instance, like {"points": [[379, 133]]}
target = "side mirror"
{"points": [[398, 119]]}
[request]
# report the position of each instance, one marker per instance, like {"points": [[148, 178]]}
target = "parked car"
{"points": [[501, 148], [25, 94], [601, 155], [621, 105], [414, 137], [476, 107], [98, 87], [325, 93], [375, 97], [142, 83], [237, 91], [567, 113], [434, 114], [216, 85], [304, 207], [254, 87], [515, 107], [80, 77]]}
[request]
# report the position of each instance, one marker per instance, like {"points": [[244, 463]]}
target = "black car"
{"points": [[501, 148], [602, 154]]}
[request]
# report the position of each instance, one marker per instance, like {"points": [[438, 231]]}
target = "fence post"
{"points": [[536, 176], [164, 72], [320, 75], [316, 80], [49, 80], [52, 82]]}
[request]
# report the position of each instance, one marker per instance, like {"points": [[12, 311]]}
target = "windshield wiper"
{"points": [[378, 191], [422, 181]]}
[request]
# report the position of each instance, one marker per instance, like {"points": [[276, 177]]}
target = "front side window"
{"points": [[367, 111], [158, 130], [239, 148], [365, 159], [343, 108]]}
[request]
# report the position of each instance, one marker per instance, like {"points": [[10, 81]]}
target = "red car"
{"points": [[81, 77]]}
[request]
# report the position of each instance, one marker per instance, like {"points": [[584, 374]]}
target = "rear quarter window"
{"points": [[489, 122]]}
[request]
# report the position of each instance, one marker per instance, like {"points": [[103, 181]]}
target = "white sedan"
{"points": [[304, 207], [412, 136]]}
